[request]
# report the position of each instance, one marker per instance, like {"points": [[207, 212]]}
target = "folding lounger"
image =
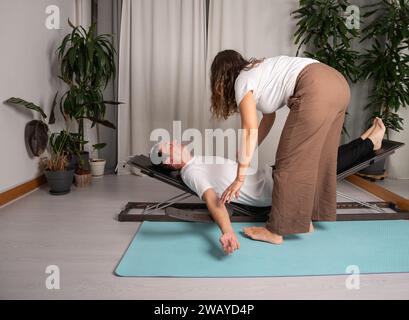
{"points": [[176, 210]]}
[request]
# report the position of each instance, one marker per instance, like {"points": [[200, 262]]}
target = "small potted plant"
{"points": [[82, 175], [56, 166], [62, 147], [97, 164]]}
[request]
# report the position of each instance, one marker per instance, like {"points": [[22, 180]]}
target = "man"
{"points": [[209, 176]]}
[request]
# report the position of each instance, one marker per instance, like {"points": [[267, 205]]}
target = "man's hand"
{"points": [[229, 242], [219, 213]]}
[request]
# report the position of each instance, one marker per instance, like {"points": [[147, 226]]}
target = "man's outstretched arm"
{"points": [[220, 215]]}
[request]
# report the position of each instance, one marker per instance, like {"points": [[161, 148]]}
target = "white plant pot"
{"points": [[97, 167]]}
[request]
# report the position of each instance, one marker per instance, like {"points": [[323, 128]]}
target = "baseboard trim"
{"points": [[380, 192], [20, 190]]}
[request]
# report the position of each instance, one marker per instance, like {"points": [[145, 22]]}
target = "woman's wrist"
{"points": [[244, 165], [240, 178], [241, 171]]}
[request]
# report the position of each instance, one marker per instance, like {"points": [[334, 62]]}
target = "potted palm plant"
{"points": [[321, 30], [387, 64], [87, 63], [56, 169]]}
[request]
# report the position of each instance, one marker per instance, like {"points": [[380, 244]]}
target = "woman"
{"points": [[306, 160]]}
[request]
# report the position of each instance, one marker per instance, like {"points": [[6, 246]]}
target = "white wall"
{"points": [[28, 70]]}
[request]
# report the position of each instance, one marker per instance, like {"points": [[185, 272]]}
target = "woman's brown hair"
{"points": [[225, 69]]}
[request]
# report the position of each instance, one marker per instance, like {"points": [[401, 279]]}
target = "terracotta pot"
{"points": [[82, 180]]}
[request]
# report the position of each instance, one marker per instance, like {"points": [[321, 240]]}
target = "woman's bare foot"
{"points": [[377, 134], [262, 234], [366, 134]]}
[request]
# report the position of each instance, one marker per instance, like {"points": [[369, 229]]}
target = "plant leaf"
{"points": [[28, 105], [36, 135], [70, 23], [52, 113], [105, 123], [99, 146], [113, 102]]}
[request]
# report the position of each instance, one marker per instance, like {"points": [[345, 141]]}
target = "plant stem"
{"points": [[81, 132]]}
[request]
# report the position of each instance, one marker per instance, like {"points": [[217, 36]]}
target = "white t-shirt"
{"points": [[204, 172], [272, 81]]}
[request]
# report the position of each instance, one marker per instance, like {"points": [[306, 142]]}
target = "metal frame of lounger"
{"points": [[175, 210]]}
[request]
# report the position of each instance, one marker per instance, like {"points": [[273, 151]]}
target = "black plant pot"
{"points": [[59, 181], [377, 168]]}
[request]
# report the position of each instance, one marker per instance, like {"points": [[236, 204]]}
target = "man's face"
{"points": [[174, 151]]}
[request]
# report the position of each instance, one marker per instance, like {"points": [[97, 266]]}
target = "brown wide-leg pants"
{"points": [[306, 160]]}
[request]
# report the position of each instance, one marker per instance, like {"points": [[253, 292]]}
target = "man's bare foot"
{"points": [[366, 134], [377, 134], [311, 228], [262, 234]]}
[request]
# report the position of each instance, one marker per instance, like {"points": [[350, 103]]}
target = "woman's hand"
{"points": [[229, 242], [232, 191]]}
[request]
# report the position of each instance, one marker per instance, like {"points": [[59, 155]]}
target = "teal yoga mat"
{"points": [[187, 249]]}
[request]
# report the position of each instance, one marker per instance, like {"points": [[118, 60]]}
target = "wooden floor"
{"points": [[79, 233]]}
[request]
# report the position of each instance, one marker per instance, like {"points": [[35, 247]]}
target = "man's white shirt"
{"points": [[204, 172]]}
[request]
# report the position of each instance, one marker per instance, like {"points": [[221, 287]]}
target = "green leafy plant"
{"points": [[87, 63], [36, 132], [61, 144], [58, 159], [387, 61], [321, 27]]}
